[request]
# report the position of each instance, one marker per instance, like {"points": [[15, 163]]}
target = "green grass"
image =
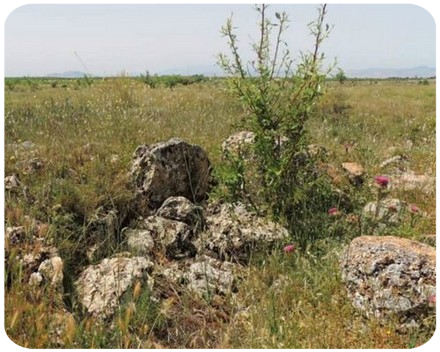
{"points": [[284, 301]]}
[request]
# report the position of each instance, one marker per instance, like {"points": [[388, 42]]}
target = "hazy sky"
{"points": [[109, 39]]}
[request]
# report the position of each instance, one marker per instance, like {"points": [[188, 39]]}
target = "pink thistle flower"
{"points": [[414, 209], [289, 248], [333, 211], [382, 181], [431, 299]]}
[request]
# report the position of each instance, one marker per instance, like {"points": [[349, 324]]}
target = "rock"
{"points": [[11, 182], [139, 241], [172, 168], [35, 279], [40, 263], [103, 227], [233, 232], [181, 209], [173, 273], [52, 271], [173, 237], [388, 212], [355, 172], [390, 275], [100, 286], [239, 144], [15, 234], [399, 161], [409, 181], [208, 276]]}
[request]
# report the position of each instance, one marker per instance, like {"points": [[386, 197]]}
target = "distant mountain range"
{"points": [[411, 72], [67, 74]]}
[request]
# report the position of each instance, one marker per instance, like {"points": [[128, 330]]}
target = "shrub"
{"points": [[278, 100]]}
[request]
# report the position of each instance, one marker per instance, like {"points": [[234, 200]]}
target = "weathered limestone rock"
{"points": [[173, 237], [409, 181], [210, 276], [387, 212], [239, 144], [233, 232], [100, 286], [181, 209], [52, 271], [201, 275], [139, 241], [355, 172], [11, 182], [172, 168], [40, 263], [104, 226], [398, 161], [385, 275]]}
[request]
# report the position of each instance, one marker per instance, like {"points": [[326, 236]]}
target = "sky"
{"points": [[111, 39]]}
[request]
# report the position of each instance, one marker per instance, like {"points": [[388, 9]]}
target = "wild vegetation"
{"points": [[85, 138], [69, 144]]}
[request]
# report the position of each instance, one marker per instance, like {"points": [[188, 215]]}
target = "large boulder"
{"points": [[99, 287], [166, 169], [233, 232], [390, 275]]}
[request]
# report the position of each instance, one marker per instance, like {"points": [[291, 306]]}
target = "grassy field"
{"points": [[83, 134]]}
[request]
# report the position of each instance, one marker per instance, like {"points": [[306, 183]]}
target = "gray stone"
{"points": [[389, 275], [166, 169], [183, 210], [239, 144], [399, 161], [28, 247], [234, 233], [208, 276], [139, 241], [409, 181], [11, 182], [387, 212], [170, 236], [100, 286], [52, 271]]}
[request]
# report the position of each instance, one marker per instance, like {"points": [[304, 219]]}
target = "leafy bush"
{"points": [[278, 100]]}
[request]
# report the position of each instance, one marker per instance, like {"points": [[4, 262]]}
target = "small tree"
{"points": [[278, 99], [341, 77]]}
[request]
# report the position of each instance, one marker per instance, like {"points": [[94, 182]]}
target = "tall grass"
{"points": [[85, 134]]}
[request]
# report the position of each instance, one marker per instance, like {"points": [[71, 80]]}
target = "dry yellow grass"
{"points": [[284, 301]]}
